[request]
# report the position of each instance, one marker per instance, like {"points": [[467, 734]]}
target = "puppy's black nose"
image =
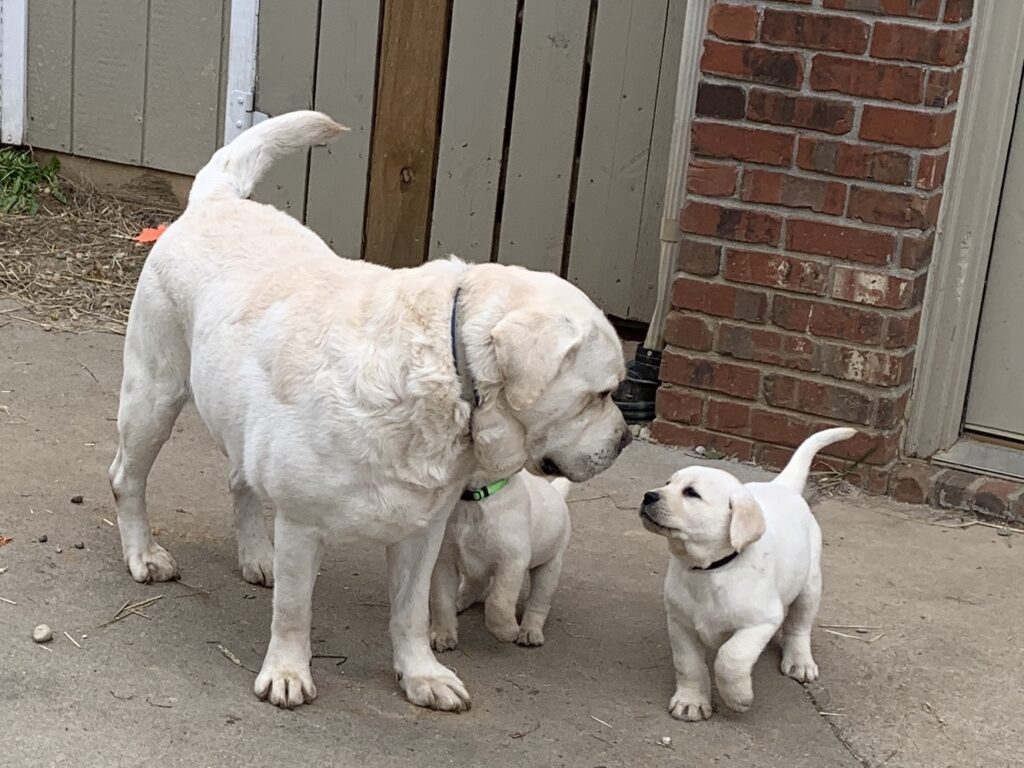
{"points": [[651, 497]]}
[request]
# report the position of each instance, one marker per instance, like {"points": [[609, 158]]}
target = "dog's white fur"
{"points": [[775, 582], [489, 548], [330, 386]]}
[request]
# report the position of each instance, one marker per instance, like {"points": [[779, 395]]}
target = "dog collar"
{"points": [[469, 393], [717, 564], [479, 494]]}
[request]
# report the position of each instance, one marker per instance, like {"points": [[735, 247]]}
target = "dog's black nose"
{"points": [[651, 497]]}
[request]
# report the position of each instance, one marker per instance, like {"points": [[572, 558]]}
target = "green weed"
{"points": [[23, 180]]}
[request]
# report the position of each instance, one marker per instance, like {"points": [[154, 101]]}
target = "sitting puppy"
{"points": [[746, 561], [495, 535]]}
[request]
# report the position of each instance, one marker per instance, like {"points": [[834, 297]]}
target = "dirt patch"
{"points": [[73, 266]]}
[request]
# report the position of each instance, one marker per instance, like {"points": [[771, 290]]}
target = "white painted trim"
{"points": [[956, 283], [13, 69], [694, 26], [243, 37]]}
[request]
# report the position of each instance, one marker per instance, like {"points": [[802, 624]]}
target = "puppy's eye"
{"points": [[690, 492]]}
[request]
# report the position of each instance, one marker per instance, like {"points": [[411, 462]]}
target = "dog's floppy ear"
{"points": [[530, 346], [747, 522]]}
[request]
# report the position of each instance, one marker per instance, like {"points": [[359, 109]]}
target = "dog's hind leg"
{"points": [[255, 550], [153, 390], [797, 661], [444, 586], [543, 583]]}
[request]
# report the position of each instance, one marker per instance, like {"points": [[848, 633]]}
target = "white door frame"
{"points": [[956, 285], [13, 69], [243, 38]]}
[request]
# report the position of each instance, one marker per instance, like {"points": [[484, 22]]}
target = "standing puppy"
{"points": [[746, 560], [495, 535]]}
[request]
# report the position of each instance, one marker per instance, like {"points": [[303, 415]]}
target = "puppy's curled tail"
{"points": [[794, 476], [235, 168], [562, 485]]}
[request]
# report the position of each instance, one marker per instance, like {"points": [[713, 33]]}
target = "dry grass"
{"points": [[74, 266]]}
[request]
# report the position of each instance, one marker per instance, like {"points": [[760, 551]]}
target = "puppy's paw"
{"points": [[530, 636], [443, 691], [738, 694], [506, 633], [442, 641], [258, 570], [800, 668], [152, 564], [690, 706], [285, 683]]}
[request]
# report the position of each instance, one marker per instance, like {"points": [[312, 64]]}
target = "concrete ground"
{"points": [[942, 685]]}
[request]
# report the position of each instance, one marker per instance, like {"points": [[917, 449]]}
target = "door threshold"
{"points": [[975, 455]]}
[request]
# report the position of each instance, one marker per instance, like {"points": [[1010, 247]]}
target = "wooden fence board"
{"points": [[48, 86]]}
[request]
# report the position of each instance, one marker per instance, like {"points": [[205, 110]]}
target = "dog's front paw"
{"points": [[258, 568], [531, 636], [285, 683], [800, 668], [506, 633], [152, 564], [442, 690], [690, 706], [737, 693], [441, 640]]}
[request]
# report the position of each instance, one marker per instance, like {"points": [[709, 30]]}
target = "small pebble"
{"points": [[77, 499], [42, 634], [60, 550], [42, 539], [248, 597], [666, 741], [80, 545]]}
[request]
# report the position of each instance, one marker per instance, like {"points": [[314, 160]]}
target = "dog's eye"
{"points": [[690, 492]]}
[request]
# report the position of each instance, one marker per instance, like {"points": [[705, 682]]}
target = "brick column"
{"points": [[819, 153]]}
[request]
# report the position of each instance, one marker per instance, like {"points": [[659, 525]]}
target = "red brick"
{"points": [[727, 416], [902, 332], [739, 224], [942, 47], [775, 270], [908, 128], [839, 241], [688, 332], [698, 258], [931, 171], [879, 369], [705, 373], [992, 497], [894, 209], [892, 411], [807, 112], [943, 88], [853, 161], [733, 22], [954, 489], [876, 289], [921, 9], [759, 65], [916, 252], [711, 179], [725, 102], [828, 400], [739, 143], [793, 191], [776, 457], [871, 79], [679, 405], [958, 10], [862, 326], [719, 300], [762, 345], [814, 30], [912, 482], [691, 437]]}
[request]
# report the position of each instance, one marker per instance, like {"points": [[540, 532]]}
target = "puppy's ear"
{"points": [[530, 346], [747, 522]]}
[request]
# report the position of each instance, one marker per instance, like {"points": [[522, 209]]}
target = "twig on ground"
{"points": [[527, 732], [570, 634], [69, 637], [227, 654], [86, 369], [5, 600], [107, 522], [848, 626], [602, 722], [868, 640], [129, 609], [155, 704]]}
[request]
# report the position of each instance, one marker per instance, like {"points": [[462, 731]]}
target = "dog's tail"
{"points": [[562, 485], [235, 168], [794, 476]]}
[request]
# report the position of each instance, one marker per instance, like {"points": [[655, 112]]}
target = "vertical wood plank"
{"points": [[472, 129], [541, 145], [286, 63], [404, 151], [222, 86], [346, 74], [182, 84], [616, 147], [110, 79], [643, 292], [50, 29]]}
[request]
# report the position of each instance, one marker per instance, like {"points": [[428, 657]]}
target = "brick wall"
{"points": [[819, 152]]}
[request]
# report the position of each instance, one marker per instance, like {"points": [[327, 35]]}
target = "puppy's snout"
{"points": [[651, 497], [625, 439]]}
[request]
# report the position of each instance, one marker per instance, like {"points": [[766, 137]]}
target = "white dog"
{"points": [[359, 400], [495, 537], [746, 561]]}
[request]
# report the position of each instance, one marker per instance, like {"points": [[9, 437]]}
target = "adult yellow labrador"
{"points": [[357, 399]]}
